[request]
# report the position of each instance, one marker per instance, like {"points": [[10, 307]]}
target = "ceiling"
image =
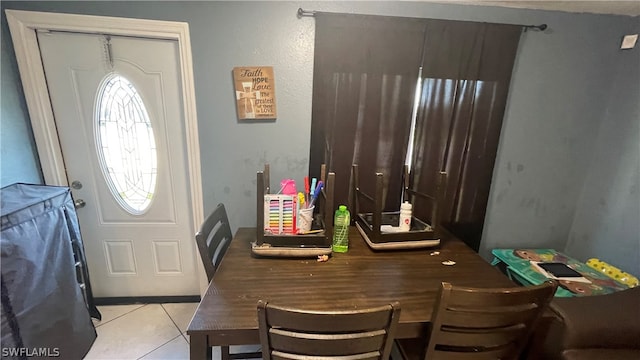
{"points": [[629, 8]]}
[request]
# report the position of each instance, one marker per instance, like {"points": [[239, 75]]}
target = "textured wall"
{"points": [[607, 221], [558, 98], [18, 156], [572, 117], [559, 95]]}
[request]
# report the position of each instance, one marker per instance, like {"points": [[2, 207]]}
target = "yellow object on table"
{"points": [[613, 272]]}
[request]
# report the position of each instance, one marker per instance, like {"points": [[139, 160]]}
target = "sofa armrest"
{"points": [[604, 321]]}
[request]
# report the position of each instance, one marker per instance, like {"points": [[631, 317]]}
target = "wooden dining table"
{"points": [[359, 278]]}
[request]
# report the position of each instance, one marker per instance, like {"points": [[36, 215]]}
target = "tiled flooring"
{"points": [[151, 331]]}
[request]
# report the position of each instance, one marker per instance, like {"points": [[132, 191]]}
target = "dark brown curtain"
{"points": [[466, 73], [365, 75]]}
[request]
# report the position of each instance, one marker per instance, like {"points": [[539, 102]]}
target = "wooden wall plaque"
{"points": [[255, 92]]}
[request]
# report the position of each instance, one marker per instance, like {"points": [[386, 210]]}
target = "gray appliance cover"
{"points": [[44, 313]]}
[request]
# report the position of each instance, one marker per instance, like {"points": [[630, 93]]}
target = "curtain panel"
{"points": [[465, 81], [366, 70], [365, 76]]}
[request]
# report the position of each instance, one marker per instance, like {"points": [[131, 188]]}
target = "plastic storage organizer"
{"points": [[284, 242]]}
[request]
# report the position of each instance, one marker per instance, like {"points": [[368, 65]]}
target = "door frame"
{"points": [[23, 26]]}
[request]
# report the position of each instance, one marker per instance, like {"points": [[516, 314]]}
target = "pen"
{"points": [[306, 188], [316, 192], [313, 231], [313, 186]]}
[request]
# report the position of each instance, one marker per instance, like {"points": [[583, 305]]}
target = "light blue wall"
{"points": [[18, 156], [607, 221], [562, 85], [561, 89]]}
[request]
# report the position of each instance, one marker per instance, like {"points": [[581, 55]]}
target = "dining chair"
{"points": [[288, 333], [213, 239], [476, 323]]}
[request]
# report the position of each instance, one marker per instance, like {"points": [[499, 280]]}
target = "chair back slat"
{"points": [[337, 321], [496, 297], [454, 337], [474, 318], [213, 239], [491, 354], [276, 355], [472, 323], [288, 333], [326, 344]]}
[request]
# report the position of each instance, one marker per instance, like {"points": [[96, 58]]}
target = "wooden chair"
{"points": [[213, 239], [473, 323], [287, 333]]}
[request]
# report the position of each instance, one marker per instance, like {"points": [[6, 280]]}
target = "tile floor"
{"points": [[151, 331]]}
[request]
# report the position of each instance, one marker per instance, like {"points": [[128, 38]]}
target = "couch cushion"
{"points": [[605, 321], [601, 354]]}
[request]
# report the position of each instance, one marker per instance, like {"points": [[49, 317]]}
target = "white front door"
{"points": [[117, 103]]}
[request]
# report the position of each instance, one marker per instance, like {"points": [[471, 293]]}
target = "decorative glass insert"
{"points": [[126, 145]]}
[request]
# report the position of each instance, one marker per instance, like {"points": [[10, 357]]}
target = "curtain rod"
{"points": [[302, 12], [312, 13]]}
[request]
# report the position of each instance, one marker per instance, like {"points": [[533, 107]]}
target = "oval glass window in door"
{"points": [[126, 144]]}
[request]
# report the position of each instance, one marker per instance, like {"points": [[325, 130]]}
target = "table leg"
{"points": [[199, 348], [224, 353], [534, 348]]}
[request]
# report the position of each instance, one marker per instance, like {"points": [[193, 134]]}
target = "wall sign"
{"points": [[255, 92]]}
